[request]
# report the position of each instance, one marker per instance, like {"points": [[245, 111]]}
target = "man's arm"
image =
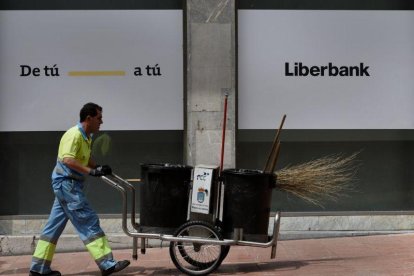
{"points": [[92, 164], [76, 165], [91, 169]]}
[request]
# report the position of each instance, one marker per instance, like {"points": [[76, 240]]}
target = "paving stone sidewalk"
{"points": [[366, 255]]}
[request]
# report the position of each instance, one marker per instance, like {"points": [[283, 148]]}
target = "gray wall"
{"points": [[385, 178], [28, 158]]}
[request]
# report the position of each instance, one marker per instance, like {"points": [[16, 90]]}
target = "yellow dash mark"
{"points": [[95, 73]]}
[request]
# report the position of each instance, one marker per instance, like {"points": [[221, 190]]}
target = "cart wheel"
{"points": [[196, 258]]}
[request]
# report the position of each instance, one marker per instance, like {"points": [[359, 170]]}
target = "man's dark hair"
{"points": [[89, 109]]}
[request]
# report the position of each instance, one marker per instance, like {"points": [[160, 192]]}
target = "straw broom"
{"points": [[329, 177]]}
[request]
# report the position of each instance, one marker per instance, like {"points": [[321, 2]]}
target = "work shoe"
{"points": [[117, 267], [51, 273]]}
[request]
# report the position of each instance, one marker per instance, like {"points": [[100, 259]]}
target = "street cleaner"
{"points": [[74, 162]]}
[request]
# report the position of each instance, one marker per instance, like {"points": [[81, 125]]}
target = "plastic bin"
{"points": [[164, 197], [247, 200]]}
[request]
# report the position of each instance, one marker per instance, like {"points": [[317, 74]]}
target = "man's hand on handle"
{"points": [[101, 171]]}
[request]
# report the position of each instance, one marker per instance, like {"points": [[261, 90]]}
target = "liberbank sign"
{"points": [[330, 70], [326, 69]]}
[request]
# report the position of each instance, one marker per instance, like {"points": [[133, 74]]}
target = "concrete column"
{"points": [[210, 72]]}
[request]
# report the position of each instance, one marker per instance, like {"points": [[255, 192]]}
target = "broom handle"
{"points": [[270, 158], [223, 135], [274, 161]]}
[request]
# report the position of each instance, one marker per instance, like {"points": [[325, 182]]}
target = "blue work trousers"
{"points": [[71, 204]]}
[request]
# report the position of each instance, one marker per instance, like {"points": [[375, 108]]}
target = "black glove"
{"points": [[101, 170]]}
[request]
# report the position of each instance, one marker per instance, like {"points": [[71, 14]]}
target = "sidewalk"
{"points": [[367, 255]]}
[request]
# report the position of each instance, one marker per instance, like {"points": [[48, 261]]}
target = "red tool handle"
{"points": [[223, 136]]}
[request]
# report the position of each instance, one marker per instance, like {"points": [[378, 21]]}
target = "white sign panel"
{"points": [[127, 61], [326, 69], [201, 195]]}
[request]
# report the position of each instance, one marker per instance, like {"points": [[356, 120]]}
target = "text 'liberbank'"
{"points": [[300, 70]]}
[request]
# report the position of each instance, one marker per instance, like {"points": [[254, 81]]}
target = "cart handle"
{"points": [[114, 180]]}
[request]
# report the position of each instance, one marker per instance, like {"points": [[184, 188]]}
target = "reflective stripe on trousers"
{"points": [[70, 204]]}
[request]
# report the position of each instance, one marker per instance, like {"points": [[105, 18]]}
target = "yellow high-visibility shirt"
{"points": [[76, 144]]}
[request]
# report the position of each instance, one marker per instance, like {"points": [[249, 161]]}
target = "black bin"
{"points": [[164, 197], [247, 200]]}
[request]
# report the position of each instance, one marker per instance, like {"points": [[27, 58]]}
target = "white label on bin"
{"points": [[200, 200]]}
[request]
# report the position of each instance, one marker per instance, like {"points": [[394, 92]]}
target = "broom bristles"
{"points": [[329, 177]]}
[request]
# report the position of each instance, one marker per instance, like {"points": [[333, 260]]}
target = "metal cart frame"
{"points": [[196, 234]]}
